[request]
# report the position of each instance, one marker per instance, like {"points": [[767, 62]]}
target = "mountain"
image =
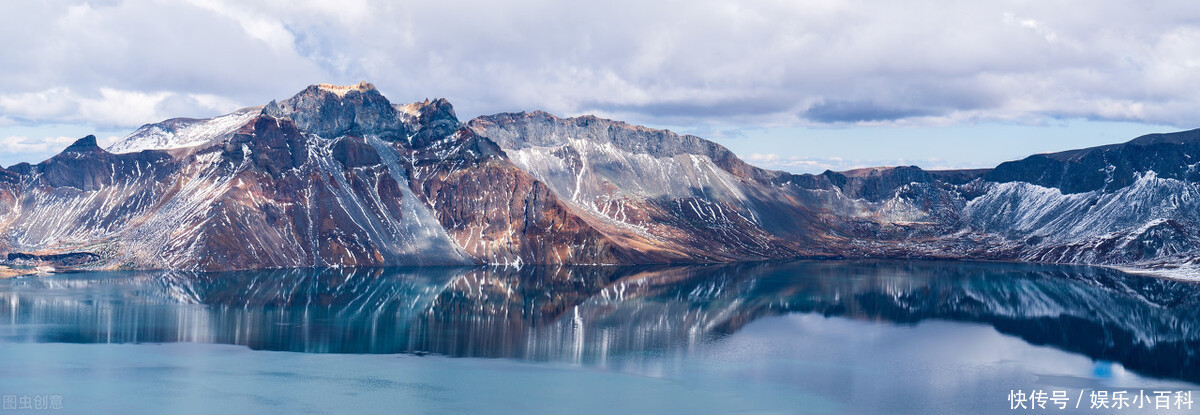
{"points": [[341, 176], [682, 193]]}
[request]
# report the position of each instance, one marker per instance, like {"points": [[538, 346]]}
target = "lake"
{"points": [[794, 337]]}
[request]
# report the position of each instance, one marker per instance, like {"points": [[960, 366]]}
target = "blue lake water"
{"points": [[798, 337]]}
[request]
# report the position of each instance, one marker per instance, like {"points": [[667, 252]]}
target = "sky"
{"points": [[795, 85]]}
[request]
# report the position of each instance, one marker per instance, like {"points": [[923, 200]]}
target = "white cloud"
{"points": [[109, 106], [264, 29], [764, 63], [20, 144], [815, 165], [33, 149], [138, 52], [798, 164]]}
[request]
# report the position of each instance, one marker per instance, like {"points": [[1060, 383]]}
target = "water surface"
{"points": [[799, 337]]}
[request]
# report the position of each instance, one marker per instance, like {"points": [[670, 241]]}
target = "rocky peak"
{"points": [[9, 176], [438, 110], [434, 120], [83, 146], [342, 90], [331, 111], [22, 168], [85, 166]]}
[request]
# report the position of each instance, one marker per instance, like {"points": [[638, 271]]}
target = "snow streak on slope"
{"points": [[141, 217], [171, 235], [1151, 220], [72, 217], [1020, 208], [588, 171], [416, 232], [652, 185], [183, 132]]}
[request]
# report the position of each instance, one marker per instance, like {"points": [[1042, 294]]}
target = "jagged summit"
{"points": [[326, 110], [341, 90], [336, 92], [434, 119], [332, 111], [84, 145]]}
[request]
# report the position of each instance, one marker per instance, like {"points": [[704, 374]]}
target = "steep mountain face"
{"points": [[332, 176], [497, 212], [1131, 203], [340, 176], [654, 186]]}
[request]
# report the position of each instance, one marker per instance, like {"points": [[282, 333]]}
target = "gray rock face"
{"points": [[339, 175], [679, 192], [332, 111]]}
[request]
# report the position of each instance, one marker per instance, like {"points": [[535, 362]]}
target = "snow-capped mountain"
{"points": [[341, 176]]}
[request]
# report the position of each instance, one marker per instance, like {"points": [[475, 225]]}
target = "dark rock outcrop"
{"points": [[70, 259]]}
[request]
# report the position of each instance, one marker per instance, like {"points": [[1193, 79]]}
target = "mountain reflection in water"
{"points": [[587, 314]]}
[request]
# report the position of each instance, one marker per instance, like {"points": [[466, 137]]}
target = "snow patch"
{"points": [[185, 133]]}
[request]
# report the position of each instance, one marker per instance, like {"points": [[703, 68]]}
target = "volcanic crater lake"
{"points": [[792, 337]]}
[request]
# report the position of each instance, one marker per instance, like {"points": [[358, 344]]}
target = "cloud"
{"points": [[17, 148], [796, 164], [108, 106], [113, 62], [20, 144], [816, 165], [841, 62]]}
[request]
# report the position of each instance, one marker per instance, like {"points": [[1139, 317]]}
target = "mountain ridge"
{"points": [[341, 176]]}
